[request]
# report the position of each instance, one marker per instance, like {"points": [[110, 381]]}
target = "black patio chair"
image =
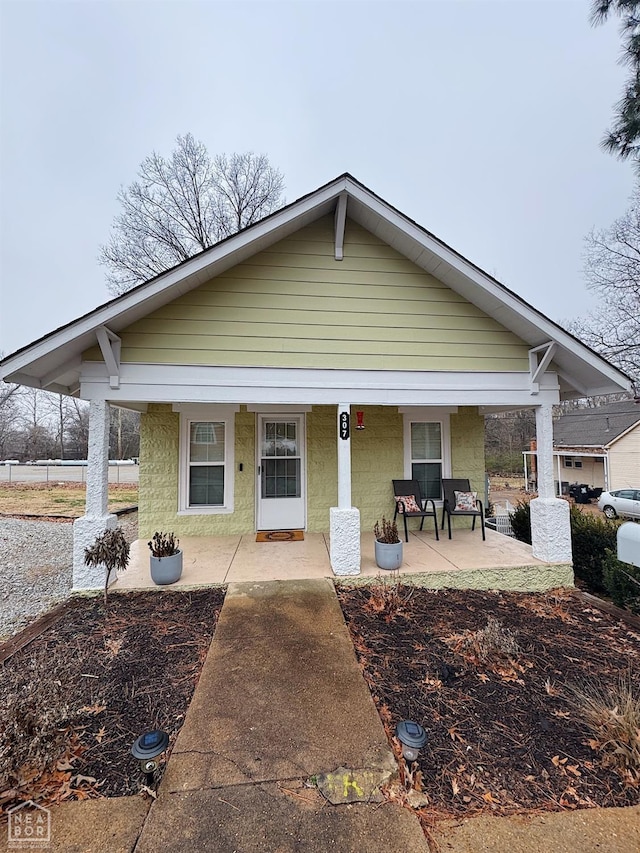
{"points": [[403, 490], [449, 489]]}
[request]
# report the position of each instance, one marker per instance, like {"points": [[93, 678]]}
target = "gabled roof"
{"points": [[53, 361], [596, 427]]}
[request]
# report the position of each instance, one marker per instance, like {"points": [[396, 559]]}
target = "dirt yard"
{"points": [[493, 679], [55, 499], [73, 701]]}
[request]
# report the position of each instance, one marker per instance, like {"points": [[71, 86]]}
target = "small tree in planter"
{"points": [[166, 558], [388, 545], [111, 550]]}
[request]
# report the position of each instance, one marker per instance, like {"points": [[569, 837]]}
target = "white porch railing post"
{"points": [[344, 520], [550, 524], [96, 518]]}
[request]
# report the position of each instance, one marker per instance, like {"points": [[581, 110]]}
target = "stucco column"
{"points": [[344, 519], [550, 526], [96, 518]]}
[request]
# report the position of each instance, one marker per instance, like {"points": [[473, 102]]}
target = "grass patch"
{"points": [[59, 498]]}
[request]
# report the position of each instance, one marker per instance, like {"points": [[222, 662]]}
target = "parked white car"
{"points": [[624, 502]]}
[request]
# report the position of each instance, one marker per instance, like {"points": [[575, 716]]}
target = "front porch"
{"points": [[462, 562]]}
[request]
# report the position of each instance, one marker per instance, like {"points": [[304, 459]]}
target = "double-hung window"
{"points": [[427, 457], [206, 463], [206, 460]]}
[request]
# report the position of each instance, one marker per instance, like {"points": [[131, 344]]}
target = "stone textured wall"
{"points": [[467, 452], [519, 578], [344, 539], [243, 519], [159, 454], [158, 487], [551, 530], [322, 466], [377, 458]]}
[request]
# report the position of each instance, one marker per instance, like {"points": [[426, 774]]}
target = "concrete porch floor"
{"points": [[464, 561]]}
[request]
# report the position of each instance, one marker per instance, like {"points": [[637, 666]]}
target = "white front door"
{"points": [[281, 470]]}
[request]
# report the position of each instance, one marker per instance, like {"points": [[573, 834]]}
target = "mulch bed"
{"points": [[504, 734], [73, 701]]}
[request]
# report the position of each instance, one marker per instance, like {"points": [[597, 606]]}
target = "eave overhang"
{"points": [[54, 361]]}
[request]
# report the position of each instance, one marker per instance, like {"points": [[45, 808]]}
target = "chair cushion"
{"points": [[410, 503], [466, 501]]}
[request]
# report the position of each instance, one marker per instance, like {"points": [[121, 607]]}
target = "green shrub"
{"points": [[521, 521], [622, 582], [591, 536]]}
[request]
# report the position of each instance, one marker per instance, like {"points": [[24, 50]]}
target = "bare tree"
{"points": [[183, 205], [38, 415], [124, 433], [77, 429], [507, 434], [612, 270], [9, 415]]}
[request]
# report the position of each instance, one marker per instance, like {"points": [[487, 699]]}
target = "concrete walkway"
{"points": [[280, 700]]}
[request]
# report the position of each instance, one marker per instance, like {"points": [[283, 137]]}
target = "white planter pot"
{"points": [[166, 570], [388, 556]]}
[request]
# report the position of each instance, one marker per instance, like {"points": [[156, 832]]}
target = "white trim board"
{"points": [[259, 387]]}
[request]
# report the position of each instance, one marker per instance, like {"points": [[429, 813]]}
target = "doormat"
{"points": [[280, 536]]}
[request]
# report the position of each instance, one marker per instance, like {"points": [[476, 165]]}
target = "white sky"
{"points": [[480, 120]]}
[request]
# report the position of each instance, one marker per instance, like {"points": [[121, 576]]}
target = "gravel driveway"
{"points": [[35, 567]]}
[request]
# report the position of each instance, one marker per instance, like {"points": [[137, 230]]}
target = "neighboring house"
{"points": [[248, 360], [597, 446]]}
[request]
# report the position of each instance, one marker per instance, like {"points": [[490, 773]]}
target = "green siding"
{"points": [[294, 305]]}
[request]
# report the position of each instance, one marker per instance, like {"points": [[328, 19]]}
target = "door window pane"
{"points": [[280, 439], [281, 478]]}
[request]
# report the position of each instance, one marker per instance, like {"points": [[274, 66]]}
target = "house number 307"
{"points": [[344, 425]]}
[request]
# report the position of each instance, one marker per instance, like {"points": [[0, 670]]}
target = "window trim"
{"points": [[428, 415], [207, 414]]}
